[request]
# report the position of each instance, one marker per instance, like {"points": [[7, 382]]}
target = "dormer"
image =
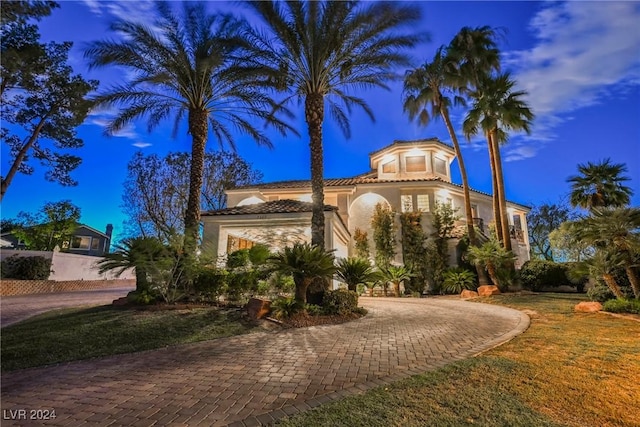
{"points": [[417, 159]]}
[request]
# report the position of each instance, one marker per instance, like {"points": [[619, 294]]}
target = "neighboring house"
{"points": [[85, 241], [406, 176]]}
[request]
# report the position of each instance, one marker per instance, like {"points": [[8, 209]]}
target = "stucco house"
{"points": [[405, 175]]}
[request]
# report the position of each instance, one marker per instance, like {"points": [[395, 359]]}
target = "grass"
{"points": [[75, 334], [568, 369]]}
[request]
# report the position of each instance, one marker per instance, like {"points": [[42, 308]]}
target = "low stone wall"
{"points": [[24, 287]]}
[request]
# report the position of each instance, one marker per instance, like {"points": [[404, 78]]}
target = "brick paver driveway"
{"points": [[19, 307], [256, 378]]}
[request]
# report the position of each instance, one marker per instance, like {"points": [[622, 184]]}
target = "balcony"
{"points": [[517, 234], [479, 224]]}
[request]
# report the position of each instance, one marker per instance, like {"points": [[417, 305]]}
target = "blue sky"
{"points": [[579, 61]]}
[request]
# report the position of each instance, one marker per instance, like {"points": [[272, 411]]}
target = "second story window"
{"points": [[440, 166], [80, 242], [415, 164], [389, 167]]}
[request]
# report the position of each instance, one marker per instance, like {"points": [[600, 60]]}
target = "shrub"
{"points": [[283, 308], [458, 279], [259, 254], [239, 258], [340, 301], [144, 297], [536, 274], [211, 283], [314, 310], [600, 293], [26, 268], [622, 306]]}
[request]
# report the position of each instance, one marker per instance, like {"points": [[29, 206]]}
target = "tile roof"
{"points": [[274, 206], [335, 182]]}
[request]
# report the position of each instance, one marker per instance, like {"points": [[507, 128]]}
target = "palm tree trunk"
{"points": [[396, 288], [371, 291], [613, 285], [493, 274], [198, 128], [473, 241], [301, 291], [314, 114], [633, 279], [502, 199], [497, 218]]}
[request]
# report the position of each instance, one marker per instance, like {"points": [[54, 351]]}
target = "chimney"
{"points": [[108, 232]]}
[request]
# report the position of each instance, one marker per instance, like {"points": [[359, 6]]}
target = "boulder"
{"points": [[468, 294], [258, 308], [588, 307], [488, 290]]}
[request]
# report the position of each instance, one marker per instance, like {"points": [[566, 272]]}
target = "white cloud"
{"points": [[519, 153], [141, 144], [136, 10], [585, 52]]}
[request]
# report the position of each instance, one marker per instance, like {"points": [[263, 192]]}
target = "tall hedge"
{"points": [[25, 268]]}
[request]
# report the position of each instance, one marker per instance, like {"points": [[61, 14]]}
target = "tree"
{"points": [[567, 246], [319, 51], [143, 254], [497, 108], [599, 185], [156, 190], [361, 239], [424, 87], [492, 256], [355, 271], [305, 263], [617, 231], [395, 274], [42, 100], [472, 55], [192, 66], [52, 226], [384, 231], [413, 249], [541, 221]]}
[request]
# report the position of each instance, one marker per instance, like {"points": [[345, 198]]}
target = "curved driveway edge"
{"points": [[258, 378]]}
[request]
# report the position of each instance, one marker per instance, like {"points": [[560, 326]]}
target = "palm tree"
{"points": [[191, 66], [355, 271], [475, 55], [603, 263], [616, 230], [424, 87], [396, 275], [497, 108], [139, 253], [491, 256], [320, 50], [599, 185], [305, 263]]}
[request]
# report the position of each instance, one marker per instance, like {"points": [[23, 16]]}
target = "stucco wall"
{"points": [[26, 287], [67, 266]]}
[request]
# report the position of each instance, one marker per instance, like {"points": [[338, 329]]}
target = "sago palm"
{"points": [[355, 271], [599, 185], [305, 263], [395, 275], [491, 256], [139, 253], [186, 66], [498, 108], [320, 51], [615, 230]]}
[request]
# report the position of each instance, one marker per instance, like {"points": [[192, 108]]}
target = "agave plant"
{"points": [[305, 263]]}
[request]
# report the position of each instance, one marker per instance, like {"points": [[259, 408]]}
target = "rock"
{"points": [[588, 307], [120, 301], [468, 294], [488, 290], [258, 308]]}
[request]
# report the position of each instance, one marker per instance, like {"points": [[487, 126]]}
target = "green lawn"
{"points": [[74, 334], [569, 369]]}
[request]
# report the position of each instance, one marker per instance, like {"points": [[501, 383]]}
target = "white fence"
{"points": [[67, 266]]}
